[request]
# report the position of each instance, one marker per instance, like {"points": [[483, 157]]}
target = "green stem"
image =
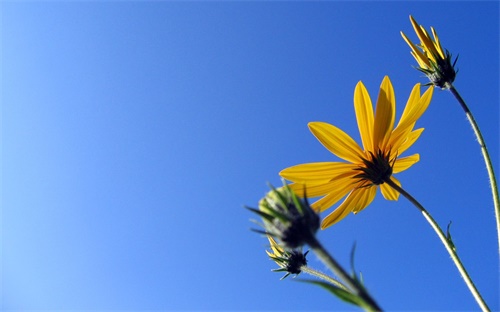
{"points": [[448, 244], [329, 261], [486, 156], [322, 276]]}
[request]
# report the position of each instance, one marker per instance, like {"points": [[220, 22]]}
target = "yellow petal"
{"points": [[423, 60], [384, 114], [437, 44], [319, 171], [388, 192], [424, 38], [364, 115], [398, 136], [416, 109], [277, 250], [357, 200], [412, 101], [417, 54], [334, 194], [341, 212], [401, 164], [341, 184], [367, 197], [410, 139], [429, 46], [336, 141]]}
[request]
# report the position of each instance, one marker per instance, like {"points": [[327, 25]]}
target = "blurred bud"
{"points": [[288, 218]]}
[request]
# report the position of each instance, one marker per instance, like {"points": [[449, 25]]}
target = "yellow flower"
{"points": [[368, 167], [432, 59]]}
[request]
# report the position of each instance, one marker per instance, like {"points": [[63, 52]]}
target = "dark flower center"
{"points": [[377, 169]]}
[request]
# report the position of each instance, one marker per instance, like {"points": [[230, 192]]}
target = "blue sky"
{"points": [[134, 132]]}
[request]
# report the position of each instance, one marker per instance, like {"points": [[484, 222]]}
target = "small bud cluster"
{"points": [[290, 261]]}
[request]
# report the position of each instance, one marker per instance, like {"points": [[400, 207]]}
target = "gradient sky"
{"points": [[133, 133]]}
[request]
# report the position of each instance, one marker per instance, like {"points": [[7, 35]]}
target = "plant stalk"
{"points": [[447, 244], [486, 156], [322, 276], [329, 261]]}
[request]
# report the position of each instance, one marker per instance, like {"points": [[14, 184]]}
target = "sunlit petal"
{"points": [[439, 48], [423, 36], [416, 110], [365, 199], [336, 141], [412, 101], [410, 139], [417, 54], [384, 114], [277, 249], [403, 163], [339, 185], [319, 171], [364, 115], [330, 199], [388, 192], [342, 211]]}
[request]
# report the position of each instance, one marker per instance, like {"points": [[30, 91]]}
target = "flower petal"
{"points": [[437, 44], [319, 171], [384, 115], [357, 200], [417, 54], [365, 199], [277, 249], [388, 192], [410, 139], [412, 101], [398, 136], [401, 164], [339, 185], [331, 198], [341, 212], [426, 42], [416, 109], [336, 141], [364, 115]]}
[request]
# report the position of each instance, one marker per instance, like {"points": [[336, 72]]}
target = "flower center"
{"points": [[377, 169]]}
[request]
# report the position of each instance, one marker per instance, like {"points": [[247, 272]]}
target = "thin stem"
{"points": [[486, 156], [448, 244], [322, 276], [359, 290]]}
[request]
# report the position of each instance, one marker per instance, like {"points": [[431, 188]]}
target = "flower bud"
{"points": [[288, 218]]}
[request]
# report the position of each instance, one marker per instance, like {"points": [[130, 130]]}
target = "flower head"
{"points": [[365, 168], [287, 217], [434, 62], [291, 261]]}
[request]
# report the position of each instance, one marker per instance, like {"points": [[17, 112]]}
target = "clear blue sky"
{"points": [[134, 132]]}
